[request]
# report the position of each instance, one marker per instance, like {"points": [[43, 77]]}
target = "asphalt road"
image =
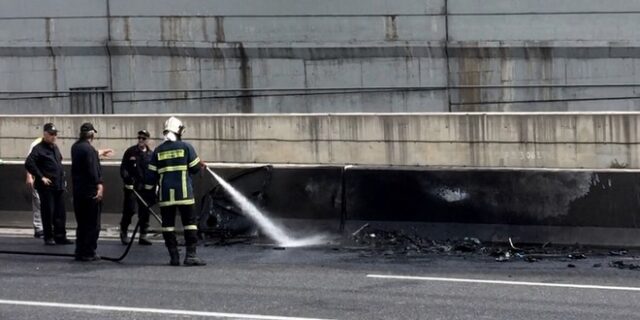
{"points": [[258, 282]]}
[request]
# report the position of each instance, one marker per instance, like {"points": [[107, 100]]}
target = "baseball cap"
{"points": [[50, 128], [87, 126], [143, 133]]}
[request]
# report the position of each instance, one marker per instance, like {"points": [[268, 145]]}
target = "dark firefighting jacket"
{"points": [[135, 162], [171, 167], [45, 160]]}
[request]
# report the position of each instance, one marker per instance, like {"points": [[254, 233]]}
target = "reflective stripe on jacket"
{"points": [[171, 167]]}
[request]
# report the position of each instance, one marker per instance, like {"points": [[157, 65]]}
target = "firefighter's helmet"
{"points": [[174, 125]]}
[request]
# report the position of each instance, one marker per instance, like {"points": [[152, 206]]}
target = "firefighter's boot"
{"points": [[143, 240], [124, 238], [192, 259], [174, 254]]}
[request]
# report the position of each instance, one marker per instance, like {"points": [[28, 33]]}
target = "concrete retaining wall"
{"points": [[434, 45], [548, 140]]}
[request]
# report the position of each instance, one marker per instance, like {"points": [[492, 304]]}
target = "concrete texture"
{"points": [[528, 140], [317, 190], [533, 206], [562, 198], [433, 45]]}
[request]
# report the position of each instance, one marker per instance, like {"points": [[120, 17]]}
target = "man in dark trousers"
{"points": [[132, 170], [88, 192], [45, 164], [172, 164]]}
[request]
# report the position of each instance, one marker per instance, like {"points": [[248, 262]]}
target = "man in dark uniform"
{"points": [[132, 170], [45, 164], [171, 167], [88, 192]]}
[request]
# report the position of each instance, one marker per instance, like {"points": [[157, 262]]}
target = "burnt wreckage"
{"points": [[221, 219]]}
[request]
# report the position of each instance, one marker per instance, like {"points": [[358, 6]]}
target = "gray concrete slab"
{"points": [[304, 44], [275, 8]]}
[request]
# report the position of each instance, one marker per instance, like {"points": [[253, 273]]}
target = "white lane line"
{"points": [[149, 310], [515, 283]]}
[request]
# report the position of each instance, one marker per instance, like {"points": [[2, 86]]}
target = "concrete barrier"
{"points": [[534, 206], [545, 140], [316, 191]]}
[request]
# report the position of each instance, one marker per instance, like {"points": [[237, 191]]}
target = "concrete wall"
{"points": [[596, 207], [549, 140], [318, 190], [435, 45], [544, 42]]}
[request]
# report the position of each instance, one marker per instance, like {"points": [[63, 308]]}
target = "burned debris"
{"points": [[401, 243]]}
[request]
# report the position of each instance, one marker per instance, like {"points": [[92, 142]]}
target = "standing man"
{"points": [[35, 199], [44, 163], [171, 167], [88, 192], [135, 162]]}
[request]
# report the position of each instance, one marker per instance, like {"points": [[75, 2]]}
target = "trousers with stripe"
{"points": [[189, 221]]}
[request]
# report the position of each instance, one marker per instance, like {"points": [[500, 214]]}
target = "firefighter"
{"points": [[132, 170], [88, 192], [171, 167], [44, 163]]}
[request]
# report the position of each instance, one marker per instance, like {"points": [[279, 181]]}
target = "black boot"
{"points": [[191, 259], [175, 256], [143, 241], [124, 238]]}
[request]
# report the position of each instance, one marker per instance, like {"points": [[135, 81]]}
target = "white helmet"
{"points": [[174, 125]]}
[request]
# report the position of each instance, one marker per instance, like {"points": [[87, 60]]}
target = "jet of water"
{"points": [[267, 226]]}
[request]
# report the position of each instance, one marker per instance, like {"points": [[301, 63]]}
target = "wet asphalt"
{"points": [[327, 282]]}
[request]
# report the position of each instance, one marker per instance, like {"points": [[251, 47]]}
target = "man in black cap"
{"points": [[133, 170], [45, 164], [88, 192]]}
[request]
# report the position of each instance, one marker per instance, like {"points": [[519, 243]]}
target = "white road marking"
{"points": [[514, 283], [149, 310]]}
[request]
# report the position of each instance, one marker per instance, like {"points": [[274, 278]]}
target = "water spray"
{"points": [[270, 229]]}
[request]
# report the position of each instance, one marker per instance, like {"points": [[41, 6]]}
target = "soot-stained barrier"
{"points": [[305, 197]]}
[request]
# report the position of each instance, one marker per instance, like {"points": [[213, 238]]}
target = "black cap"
{"points": [[50, 128], [143, 133], [87, 126]]}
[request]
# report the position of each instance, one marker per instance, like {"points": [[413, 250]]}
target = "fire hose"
{"points": [[118, 259]]}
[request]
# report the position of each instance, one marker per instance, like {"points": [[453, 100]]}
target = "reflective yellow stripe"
{"points": [[168, 229], [172, 168], [191, 227], [153, 168], [177, 203], [184, 184], [171, 154], [128, 186], [148, 186], [161, 178], [194, 162], [172, 195]]}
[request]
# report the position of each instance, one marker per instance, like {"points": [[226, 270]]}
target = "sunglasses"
{"points": [[142, 138]]}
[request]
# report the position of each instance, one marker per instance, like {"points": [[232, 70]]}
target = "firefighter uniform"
{"points": [[45, 161], [86, 172], [133, 171], [171, 167]]}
